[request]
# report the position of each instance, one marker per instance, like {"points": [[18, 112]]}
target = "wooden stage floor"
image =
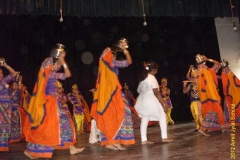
{"points": [[187, 145]]}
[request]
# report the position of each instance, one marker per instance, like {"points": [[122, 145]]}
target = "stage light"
{"points": [[61, 18], [144, 16]]}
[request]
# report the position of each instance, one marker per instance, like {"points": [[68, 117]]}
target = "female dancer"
{"points": [[209, 96], [80, 110], [231, 90], [63, 98], [131, 102], [150, 104], [49, 127], [112, 115], [16, 130], [165, 93], [5, 107]]}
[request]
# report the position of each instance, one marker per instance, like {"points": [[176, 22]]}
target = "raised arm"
{"points": [[10, 69], [128, 56], [188, 76], [216, 65], [186, 88], [64, 64]]}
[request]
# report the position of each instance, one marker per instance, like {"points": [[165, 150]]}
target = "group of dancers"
{"points": [[209, 110], [44, 120]]}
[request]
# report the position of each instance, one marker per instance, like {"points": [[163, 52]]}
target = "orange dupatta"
{"points": [[108, 106], [209, 95], [231, 88], [42, 126]]}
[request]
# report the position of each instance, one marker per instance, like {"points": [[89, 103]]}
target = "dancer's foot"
{"points": [[112, 147], [147, 142], [74, 150], [29, 155], [195, 130], [119, 146], [167, 140], [202, 132]]}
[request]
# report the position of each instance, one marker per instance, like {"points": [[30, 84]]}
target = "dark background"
{"points": [[173, 42]]}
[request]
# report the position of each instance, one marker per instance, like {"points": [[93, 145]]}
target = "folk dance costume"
{"points": [[231, 90], [131, 102], [63, 98], [192, 89], [5, 113], [49, 126], [24, 102], [195, 106], [165, 93], [78, 109], [209, 96], [16, 126], [109, 108]]}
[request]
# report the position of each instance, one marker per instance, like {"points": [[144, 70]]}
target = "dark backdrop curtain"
{"points": [[172, 42], [111, 8]]}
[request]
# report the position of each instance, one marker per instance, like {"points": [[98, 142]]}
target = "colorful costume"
{"points": [[195, 106], [80, 111], [209, 97], [63, 98], [231, 90], [131, 102], [49, 126], [16, 127], [5, 113], [109, 109], [24, 103], [166, 97]]}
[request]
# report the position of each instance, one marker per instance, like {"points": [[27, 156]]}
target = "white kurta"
{"points": [[147, 104]]}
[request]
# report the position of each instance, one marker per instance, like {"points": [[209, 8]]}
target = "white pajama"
{"points": [[149, 108], [94, 133]]}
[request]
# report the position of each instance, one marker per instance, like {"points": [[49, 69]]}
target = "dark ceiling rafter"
{"points": [[120, 8]]}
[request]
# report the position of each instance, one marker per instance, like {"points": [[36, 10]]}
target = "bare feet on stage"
{"points": [[112, 147], [115, 147], [119, 146], [74, 150], [29, 155], [202, 132], [167, 140], [147, 142], [196, 130]]}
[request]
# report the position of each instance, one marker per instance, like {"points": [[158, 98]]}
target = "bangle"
{"points": [[65, 66], [210, 60], [7, 66]]}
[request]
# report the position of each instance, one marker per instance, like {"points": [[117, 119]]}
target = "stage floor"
{"points": [[187, 145]]}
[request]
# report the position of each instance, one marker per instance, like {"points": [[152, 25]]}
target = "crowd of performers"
{"points": [[44, 120], [210, 112]]}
